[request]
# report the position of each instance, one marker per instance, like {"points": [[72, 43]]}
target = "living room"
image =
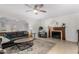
{"points": [[39, 28]]}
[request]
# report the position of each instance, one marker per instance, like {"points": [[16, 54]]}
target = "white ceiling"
{"points": [[18, 11]]}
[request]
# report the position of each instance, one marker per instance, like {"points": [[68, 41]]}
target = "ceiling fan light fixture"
{"points": [[36, 8], [35, 11]]}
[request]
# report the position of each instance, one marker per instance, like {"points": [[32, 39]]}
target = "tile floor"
{"points": [[64, 47]]}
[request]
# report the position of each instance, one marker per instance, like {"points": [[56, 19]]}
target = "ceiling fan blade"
{"points": [[41, 5], [28, 5], [38, 6], [35, 7], [43, 11]]}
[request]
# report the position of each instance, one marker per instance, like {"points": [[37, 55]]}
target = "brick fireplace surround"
{"points": [[56, 29]]}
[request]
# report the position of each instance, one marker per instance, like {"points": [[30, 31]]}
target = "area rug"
{"points": [[39, 47]]}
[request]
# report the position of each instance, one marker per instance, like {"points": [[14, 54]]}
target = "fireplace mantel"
{"points": [[57, 29]]}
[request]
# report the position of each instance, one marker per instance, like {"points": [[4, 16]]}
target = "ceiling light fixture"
{"points": [[35, 11]]}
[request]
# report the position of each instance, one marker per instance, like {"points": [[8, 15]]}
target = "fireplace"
{"points": [[56, 35], [56, 32]]}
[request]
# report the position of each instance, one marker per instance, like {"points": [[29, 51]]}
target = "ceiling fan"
{"points": [[36, 8]]}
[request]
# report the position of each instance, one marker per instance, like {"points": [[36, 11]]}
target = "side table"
{"points": [[34, 35]]}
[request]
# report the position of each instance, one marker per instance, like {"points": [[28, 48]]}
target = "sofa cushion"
{"points": [[4, 40]]}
